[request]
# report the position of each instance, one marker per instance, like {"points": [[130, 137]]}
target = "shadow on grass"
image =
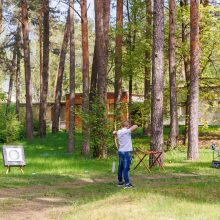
{"points": [[197, 189], [53, 173]]}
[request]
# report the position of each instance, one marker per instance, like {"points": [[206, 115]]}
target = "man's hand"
{"points": [[114, 133], [133, 127]]}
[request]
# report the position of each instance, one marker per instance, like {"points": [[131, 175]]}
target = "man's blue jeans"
{"points": [[124, 166]]}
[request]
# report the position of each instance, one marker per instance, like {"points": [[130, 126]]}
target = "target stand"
{"points": [[13, 156]]}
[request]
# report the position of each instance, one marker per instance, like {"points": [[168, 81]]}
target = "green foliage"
{"points": [[140, 112], [2, 97], [10, 128], [101, 129]]}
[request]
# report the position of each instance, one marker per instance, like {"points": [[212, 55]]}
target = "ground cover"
{"points": [[57, 185]]}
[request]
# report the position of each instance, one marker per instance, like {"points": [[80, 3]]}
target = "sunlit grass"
{"points": [[87, 189]]}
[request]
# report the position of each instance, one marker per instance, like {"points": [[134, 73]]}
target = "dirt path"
{"points": [[33, 203]]}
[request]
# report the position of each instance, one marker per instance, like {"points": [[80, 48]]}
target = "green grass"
{"points": [[85, 188]]}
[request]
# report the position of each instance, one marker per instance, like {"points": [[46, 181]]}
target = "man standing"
{"points": [[125, 147]]}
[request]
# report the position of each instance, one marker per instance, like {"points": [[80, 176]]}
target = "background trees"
{"points": [[113, 47]]}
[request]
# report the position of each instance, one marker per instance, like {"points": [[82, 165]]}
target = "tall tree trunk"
{"points": [[11, 81], [157, 141], [94, 76], [193, 152], [172, 75], [27, 68], [71, 132], [18, 47], [147, 69], [85, 72], [102, 27], [186, 62], [45, 70], [1, 14], [118, 58], [100, 63], [106, 19], [131, 47], [40, 48], [129, 50], [59, 78]]}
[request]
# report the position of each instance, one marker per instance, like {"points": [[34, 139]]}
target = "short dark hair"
{"points": [[125, 123]]}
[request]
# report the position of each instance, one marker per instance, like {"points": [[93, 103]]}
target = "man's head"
{"points": [[125, 124]]}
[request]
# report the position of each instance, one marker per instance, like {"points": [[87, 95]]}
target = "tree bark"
{"points": [[28, 84], [106, 19], [193, 152], [186, 62], [85, 73], [130, 82], [11, 81], [59, 78], [147, 69], [1, 14], [41, 47], [131, 39], [94, 76], [71, 132], [118, 58], [102, 15], [157, 141], [172, 76], [18, 47], [45, 70], [148, 65]]}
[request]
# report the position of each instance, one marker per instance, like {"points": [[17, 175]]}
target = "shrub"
{"points": [[140, 112], [10, 128], [100, 129]]}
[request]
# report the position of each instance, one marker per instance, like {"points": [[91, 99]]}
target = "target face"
{"points": [[13, 155]]}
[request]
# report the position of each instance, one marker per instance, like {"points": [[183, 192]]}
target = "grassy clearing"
{"points": [[74, 187]]}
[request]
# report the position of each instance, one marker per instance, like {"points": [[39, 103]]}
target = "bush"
{"points": [[101, 129], [140, 113], [10, 128]]}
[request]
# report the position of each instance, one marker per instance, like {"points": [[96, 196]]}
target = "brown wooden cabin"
{"points": [[110, 107]]}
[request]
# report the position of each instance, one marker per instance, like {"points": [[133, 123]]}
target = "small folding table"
{"points": [[155, 155]]}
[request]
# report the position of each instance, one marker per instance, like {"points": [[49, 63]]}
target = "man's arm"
{"points": [[133, 127]]}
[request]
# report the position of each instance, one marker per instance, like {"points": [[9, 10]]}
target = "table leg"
{"points": [[141, 160], [157, 160]]}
